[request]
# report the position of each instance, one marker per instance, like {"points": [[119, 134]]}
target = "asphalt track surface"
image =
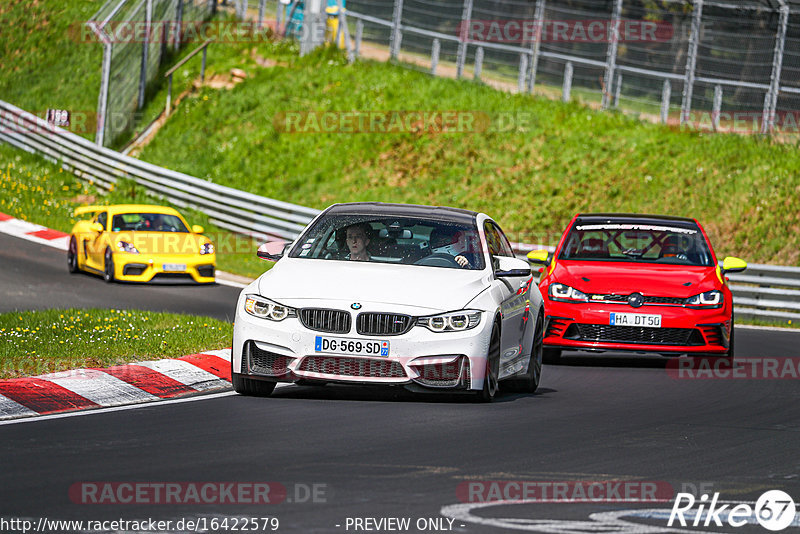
{"points": [[383, 453]]}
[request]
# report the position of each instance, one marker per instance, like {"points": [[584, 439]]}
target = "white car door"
{"points": [[512, 292]]}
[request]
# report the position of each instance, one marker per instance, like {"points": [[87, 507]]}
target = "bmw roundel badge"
{"points": [[356, 305]]}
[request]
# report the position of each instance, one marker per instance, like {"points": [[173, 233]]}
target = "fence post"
{"points": [[179, 25], [313, 22], [523, 70], [463, 35], [169, 96], [478, 62], [435, 48], [359, 35], [397, 36], [102, 105], [617, 90], [536, 45], [212, 6], [261, 6], [148, 24], [241, 9], [771, 102], [666, 95], [279, 12], [566, 90], [611, 53], [343, 27], [716, 107], [691, 61], [203, 67]]}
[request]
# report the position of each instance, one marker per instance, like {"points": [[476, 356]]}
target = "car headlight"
{"points": [[709, 299], [207, 248], [260, 307], [451, 322], [124, 246], [565, 293]]}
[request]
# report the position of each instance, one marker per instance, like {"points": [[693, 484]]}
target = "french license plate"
{"points": [[352, 347], [635, 319], [174, 267]]}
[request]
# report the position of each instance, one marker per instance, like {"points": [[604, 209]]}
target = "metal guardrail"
{"points": [[763, 291], [767, 292], [238, 211]]}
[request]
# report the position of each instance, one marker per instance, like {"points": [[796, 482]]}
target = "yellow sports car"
{"points": [[139, 243]]}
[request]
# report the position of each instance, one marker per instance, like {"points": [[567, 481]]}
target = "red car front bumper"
{"points": [[586, 326]]}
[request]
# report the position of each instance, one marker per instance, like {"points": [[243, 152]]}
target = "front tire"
{"points": [[529, 383], [72, 256], [490, 384], [108, 267], [250, 387], [731, 351]]}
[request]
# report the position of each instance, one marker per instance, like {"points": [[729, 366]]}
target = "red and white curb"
{"points": [[134, 383], [33, 232]]}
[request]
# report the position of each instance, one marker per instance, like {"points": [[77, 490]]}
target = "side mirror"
{"points": [[539, 257], [733, 265], [197, 229], [506, 266], [273, 250], [96, 227]]}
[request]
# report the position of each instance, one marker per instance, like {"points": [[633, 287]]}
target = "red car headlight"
{"points": [[709, 299], [565, 293]]}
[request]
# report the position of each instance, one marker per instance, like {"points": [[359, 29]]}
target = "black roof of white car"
{"points": [[441, 213]]}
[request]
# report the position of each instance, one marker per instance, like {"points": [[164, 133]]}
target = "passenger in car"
{"points": [[357, 241]]}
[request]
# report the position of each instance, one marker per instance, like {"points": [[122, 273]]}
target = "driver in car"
{"points": [[357, 241], [449, 241]]}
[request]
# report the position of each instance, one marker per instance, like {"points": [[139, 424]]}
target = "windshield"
{"points": [[644, 243], [387, 239], [147, 222]]}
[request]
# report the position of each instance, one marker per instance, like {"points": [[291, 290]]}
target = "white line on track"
{"points": [[768, 328], [99, 411]]}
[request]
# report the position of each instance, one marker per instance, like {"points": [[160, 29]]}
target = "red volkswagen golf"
{"points": [[642, 283]]}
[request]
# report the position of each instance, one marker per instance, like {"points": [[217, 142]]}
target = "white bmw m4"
{"points": [[427, 298]]}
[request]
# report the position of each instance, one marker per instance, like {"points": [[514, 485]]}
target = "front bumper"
{"points": [[150, 267], [284, 351], [585, 326]]}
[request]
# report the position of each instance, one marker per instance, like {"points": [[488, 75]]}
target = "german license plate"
{"points": [[635, 319], [351, 347], [174, 267]]}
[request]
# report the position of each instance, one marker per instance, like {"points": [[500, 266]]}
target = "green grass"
{"points": [[34, 190], [533, 178], [38, 342], [42, 62]]}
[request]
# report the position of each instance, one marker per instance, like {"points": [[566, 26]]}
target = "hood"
{"points": [[624, 278], [303, 282], [162, 242]]}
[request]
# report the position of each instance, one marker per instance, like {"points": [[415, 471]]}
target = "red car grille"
{"points": [[634, 334], [647, 300], [352, 367]]}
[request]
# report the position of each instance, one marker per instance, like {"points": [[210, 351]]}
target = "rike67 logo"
{"points": [[774, 510]]}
